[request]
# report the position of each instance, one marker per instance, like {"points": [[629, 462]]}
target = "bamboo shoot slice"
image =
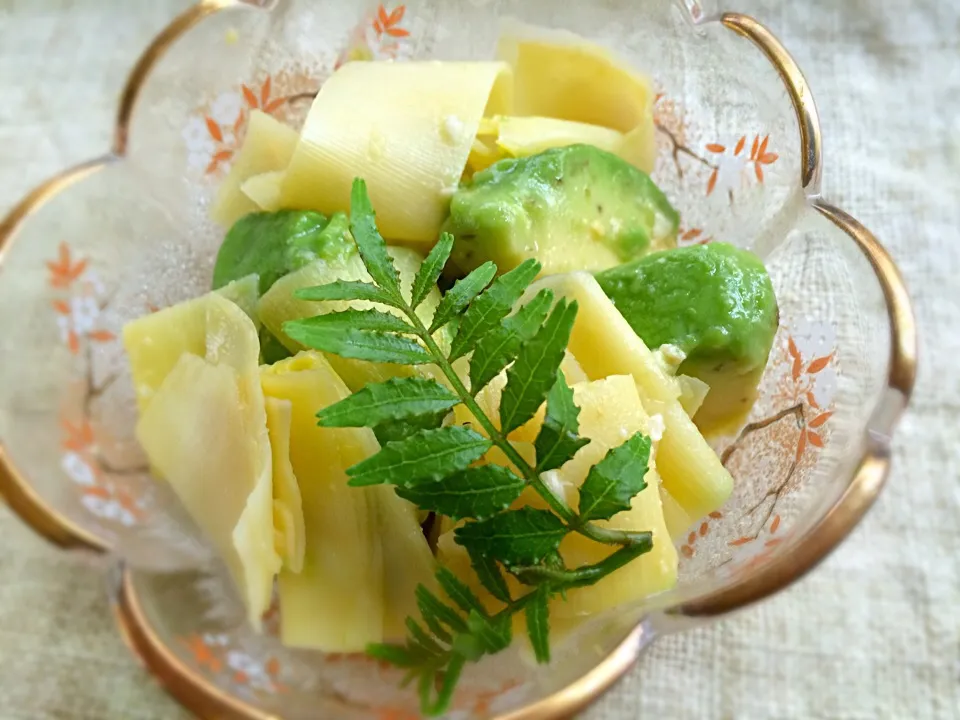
{"points": [[676, 518], [407, 560], [335, 603], [264, 189], [155, 342], [409, 126], [268, 146], [652, 572], [244, 292], [693, 391], [560, 75], [365, 549], [287, 500], [196, 432], [523, 136]]}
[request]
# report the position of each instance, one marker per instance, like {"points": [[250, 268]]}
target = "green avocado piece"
{"points": [[572, 208], [269, 245], [272, 244], [714, 302]]}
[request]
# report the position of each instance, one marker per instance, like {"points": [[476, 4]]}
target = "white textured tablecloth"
{"points": [[873, 633]]}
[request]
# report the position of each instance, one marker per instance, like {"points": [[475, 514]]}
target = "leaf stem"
{"points": [[587, 574], [557, 504]]}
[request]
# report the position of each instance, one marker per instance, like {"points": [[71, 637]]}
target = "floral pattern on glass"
{"points": [[383, 35], [214, 134], [247, 674], [100, 493], [793, 429], [215, 131], [78, 301]]}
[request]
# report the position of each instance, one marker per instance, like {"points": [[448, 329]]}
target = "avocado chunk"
{"points": [[715, 303], [572, 208], [272, 244]]}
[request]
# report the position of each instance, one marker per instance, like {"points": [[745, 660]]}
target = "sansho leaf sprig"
{"points": [[434, 464]]}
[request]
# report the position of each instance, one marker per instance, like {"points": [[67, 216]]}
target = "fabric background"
{"points": [[873, 633]]}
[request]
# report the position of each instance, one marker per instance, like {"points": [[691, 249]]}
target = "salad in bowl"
{"points": [[444, 398]]}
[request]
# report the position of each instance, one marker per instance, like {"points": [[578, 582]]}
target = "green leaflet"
{"points": [[458, 592], [424, 457], [422, 639], [429, 272], [493, 633], [373, 250], [477, 492], [345, 290], [534, 371], [614, 481], [394, 654], [538, 623], [396, 399], [394, 430], [557, 440], [490, 576], [353, 319], [435, 613], [491, 306], [514, 537], [460, 295], [360, 344], [498, 349], [450, 678]]}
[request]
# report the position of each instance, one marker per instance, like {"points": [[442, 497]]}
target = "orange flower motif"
{"points": [[687, 549], [820, 419], [389, 24], [63, 270], [735, 162], [379, 38], [693, 236], [78, 438], [202, 653], [262, 101], [128, 502], [802, 390], [78, 313], [225, 132]]}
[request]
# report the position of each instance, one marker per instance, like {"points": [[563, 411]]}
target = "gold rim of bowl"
{"points": [[864, 485]]}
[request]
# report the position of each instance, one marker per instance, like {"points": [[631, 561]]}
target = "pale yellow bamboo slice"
{"points": [[560, 75], [268, 146], [289, 527], [203, 428], [406, 128]]}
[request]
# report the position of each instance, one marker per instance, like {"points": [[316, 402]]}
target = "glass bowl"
{"points": [[122, 235]]}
